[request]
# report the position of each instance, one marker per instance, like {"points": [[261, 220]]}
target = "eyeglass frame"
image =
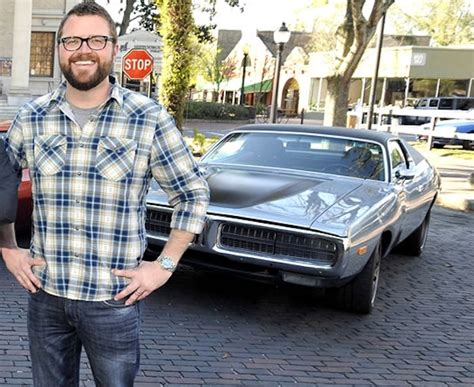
{"points": [[107, 39]]}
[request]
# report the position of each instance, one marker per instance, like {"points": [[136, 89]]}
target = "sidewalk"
{"points": [[457, 192], [457, 181]]}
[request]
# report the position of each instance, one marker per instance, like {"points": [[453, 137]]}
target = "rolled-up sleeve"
{"points": [[178, 174], [9, 181]]}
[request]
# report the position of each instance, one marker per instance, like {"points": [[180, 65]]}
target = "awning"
{"points": [[260, 87]]}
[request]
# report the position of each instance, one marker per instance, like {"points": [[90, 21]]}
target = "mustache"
{"points": [[83, 57]]}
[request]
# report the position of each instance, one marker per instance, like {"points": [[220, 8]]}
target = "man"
{"points": [[9, 181], [92, 148]]}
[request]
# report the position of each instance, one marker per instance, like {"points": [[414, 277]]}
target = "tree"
{"points": [[448, 22], [215, 70], [352, 38], [176, 30], [147, 12], [266, 67], [143, 10], [174, 21], [325, 19]]}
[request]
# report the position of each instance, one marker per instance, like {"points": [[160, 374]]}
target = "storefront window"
{"points": [[423, 88], [42, 54], [453, 87]]}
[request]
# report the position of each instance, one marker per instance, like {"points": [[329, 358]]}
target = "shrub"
{"points": [[217, 111]]}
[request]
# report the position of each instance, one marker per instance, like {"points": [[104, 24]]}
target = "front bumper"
{"points": [[257, 249]]}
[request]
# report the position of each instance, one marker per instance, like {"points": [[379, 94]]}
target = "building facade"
{"points": [[28, 58], [409, 69]]}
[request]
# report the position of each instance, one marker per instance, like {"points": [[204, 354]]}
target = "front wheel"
{"points": [[359, 295], [415, 243], [467, 145]]}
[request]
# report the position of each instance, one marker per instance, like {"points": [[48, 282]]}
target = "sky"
{"points": [[258, 14]]}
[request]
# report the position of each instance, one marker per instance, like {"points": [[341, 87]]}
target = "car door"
{"points": [[408, 184]]}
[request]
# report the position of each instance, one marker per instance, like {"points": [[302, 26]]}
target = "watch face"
{"points": [[167, 264]]}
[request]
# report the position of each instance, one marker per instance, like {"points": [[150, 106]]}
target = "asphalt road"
{"points": [[203, 329]]}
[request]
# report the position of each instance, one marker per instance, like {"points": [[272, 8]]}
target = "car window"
{"points": [[398, 159], [312, 153], [465, 104], [446, 103], [422, 103], [433, 103]]}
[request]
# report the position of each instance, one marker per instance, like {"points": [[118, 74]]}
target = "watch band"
{"points": [[166, 263]]}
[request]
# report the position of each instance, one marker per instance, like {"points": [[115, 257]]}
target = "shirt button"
{"points": [[79, 173], [77, 201], [76, 228], [81, 145]]}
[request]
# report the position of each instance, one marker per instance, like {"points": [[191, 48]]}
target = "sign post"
{"points": [[137, 64]]}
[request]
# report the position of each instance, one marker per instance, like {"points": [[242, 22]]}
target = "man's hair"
{"points": [[88, 8]]}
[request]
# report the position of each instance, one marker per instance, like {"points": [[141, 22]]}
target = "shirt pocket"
{"points": [[115, 157], [50, 154]]}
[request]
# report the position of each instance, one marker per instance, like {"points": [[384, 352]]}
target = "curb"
{"points": [[455, 202]]}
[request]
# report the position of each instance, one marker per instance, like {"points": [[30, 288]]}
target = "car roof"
{"points": [[362, 134]]}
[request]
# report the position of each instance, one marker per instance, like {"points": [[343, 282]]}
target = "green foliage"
{"points": [[212, 68], [148, 14], [217, 111], [177, 26], [199, 144], [448, 22]]}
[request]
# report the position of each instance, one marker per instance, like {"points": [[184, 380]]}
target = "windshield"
{"points": [[313, 153]]}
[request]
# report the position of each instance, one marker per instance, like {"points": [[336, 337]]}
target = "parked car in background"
{"points": [[25, 204], [308, 205], [436, 103], [451, 128]]}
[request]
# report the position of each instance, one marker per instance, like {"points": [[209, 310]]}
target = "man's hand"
{"points": [[144, 279], [19, 262]]}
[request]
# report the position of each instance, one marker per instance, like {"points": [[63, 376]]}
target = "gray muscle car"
{"points": [[308, 205]]}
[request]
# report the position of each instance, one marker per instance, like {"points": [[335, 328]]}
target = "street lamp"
{"points": [[375, 77], [280, 36], [246, 50]]}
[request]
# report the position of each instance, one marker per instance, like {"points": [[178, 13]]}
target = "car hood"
{"points": [[323, 202]]}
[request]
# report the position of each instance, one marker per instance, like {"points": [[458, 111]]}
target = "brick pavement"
{"points": [[205, 330]]}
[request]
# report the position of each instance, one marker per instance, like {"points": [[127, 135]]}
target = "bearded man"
{"points": [[92, 148]]}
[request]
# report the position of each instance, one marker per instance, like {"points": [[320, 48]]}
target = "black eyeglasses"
{"points": [[96, 42]]}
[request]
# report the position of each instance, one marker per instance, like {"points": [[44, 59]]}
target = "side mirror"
{"points": [[405, 173]]}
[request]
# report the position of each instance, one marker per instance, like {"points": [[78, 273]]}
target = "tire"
{"points": [[359, 295], [467, 145], [415, 242]]}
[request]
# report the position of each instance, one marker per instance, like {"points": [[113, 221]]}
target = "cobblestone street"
{"points": [[205, 330]]}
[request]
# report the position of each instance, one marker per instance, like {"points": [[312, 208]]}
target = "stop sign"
{"points": [[137, 64]]}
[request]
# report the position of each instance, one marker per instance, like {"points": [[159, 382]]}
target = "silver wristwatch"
{"points": [[166, 263]]}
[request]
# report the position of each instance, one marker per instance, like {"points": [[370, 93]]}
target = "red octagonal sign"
{"points": [[137, 64]]}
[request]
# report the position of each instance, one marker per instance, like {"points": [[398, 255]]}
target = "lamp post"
{"points": [[280, 36], [246, 50], [375, 77]]}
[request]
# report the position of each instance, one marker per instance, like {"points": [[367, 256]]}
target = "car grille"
{"points": [[158, 222], [276, 243]]}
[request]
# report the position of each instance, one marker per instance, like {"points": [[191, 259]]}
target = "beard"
{"points": [[82, 80]]}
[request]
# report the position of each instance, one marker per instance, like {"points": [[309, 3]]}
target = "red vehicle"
{"points": [[25, 204]]}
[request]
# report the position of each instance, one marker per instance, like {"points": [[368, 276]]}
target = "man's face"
{"points": [[84, 68]]}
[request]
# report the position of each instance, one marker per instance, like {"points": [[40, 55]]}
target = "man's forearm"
{"points": [[7, 236], [177, 244]]}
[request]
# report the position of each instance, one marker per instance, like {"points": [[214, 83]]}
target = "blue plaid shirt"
{"points": [[89, 186]]}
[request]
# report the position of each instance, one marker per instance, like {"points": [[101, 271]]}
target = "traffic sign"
{"points": [[137, 64]]}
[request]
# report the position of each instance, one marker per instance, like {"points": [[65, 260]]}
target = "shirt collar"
{"points": [[116, 93]]}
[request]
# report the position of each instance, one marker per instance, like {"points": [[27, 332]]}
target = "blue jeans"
{"points": [[58, 328]]}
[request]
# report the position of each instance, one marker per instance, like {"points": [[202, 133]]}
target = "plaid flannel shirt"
{"points": [[89, 186]]}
